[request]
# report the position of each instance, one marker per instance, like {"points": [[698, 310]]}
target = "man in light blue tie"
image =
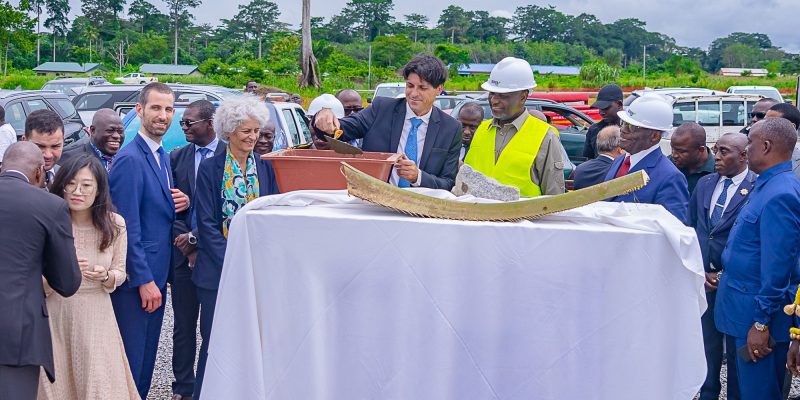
{"points": [[429, 139], [203, 143], [715, 203]]}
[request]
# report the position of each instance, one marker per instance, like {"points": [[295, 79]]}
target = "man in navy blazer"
{"points": [[429, 161], [203, 143], [712, 215], [141, 189], [761, 264], [594, 171], [644, 123]]}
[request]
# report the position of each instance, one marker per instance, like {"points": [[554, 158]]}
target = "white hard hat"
{"points": [[510, 75], [328, 101], [651, 112]]}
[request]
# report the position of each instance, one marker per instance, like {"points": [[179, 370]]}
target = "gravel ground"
{"points": [[161, 388]]}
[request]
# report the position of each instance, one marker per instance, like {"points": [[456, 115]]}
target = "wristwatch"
{"points": [[759, 326], [192, 239]]}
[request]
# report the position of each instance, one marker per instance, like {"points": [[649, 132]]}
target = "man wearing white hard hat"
{"points": [[512, 147], [643, 124]]}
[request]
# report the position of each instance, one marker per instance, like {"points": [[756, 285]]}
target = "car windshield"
{"points": [[389, 91], [172, 139], [66, 88]]}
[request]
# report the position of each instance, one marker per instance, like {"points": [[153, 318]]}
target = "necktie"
{"points": [[162, 156], [719, 206], [411, 148], [625, 167], [48, 179], [204, 153]]}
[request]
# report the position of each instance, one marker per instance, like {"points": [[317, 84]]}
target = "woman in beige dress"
{"points": [[90, 361]]}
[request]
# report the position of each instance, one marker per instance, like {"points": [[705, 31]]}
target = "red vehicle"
{"points": [[576, 100]]}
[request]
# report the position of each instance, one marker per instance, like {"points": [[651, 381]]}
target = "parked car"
{"points": [[291, 127], [73, 86], [136, 77], [667, 92], [448, 103], [20, 103], [766, 91], [106, 96], [718, 114], [391, 89]]}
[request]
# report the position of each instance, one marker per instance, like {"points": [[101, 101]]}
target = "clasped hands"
{"points": [[327, 122], [96, 273]]}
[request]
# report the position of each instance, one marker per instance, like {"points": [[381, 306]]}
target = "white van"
{"points": [[718, 114]]}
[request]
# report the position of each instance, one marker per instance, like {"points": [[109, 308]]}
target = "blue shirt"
{"points": [[761, 257]]}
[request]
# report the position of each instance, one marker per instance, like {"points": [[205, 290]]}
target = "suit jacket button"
{"points": [[711, 237]]}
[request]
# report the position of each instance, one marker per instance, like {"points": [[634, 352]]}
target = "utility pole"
{"points": [[369, 69], [644, 62]]}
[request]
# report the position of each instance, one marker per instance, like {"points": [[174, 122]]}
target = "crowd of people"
{"points": [[88, 259]]}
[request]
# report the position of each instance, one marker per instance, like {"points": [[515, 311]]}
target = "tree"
{"points": [[392, 50], [58, 19], [740, 55], [613, 56], [370, 17], [14, 30], [452, 56], [416, 23], [36, 7], [145, 14], [540, 23], [258, 17], [486, 28], [454, 19], [308, 63], [180, 16]]}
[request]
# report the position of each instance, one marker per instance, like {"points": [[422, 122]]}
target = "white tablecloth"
{"points": [[325, 297]]}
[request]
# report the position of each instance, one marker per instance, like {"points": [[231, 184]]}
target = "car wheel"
{"points": [[142, 82]]}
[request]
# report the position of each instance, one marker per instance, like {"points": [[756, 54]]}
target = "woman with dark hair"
{"points": [[90, 361], [225, 184]]}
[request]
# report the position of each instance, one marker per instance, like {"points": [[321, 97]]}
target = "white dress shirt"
{"points": [[635, 158], [8, 136], [422, 130], [199, 157], [153, 146], [737, 180]]}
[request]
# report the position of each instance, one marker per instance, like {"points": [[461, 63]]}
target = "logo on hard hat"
{"points": [[631, 113], [494, 82]]}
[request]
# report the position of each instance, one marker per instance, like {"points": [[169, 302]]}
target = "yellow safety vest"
{"points": [[513, 167]]}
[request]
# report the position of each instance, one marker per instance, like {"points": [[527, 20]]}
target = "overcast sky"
{"points": [[691, 22]]}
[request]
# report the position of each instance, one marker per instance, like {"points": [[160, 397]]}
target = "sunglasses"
{"points": [[188, 124], [758, 115]]}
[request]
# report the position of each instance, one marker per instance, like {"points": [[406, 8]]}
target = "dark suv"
{"points": [[20, 103]]}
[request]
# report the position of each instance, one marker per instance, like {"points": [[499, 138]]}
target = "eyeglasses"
{"points": [[188, 124], [86, 188], [350, 110], [758, 115], [629, 127]]}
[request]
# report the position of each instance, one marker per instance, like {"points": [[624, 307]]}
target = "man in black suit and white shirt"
{"points": [[203, 143], [36, 232], [594, 171], [430, 159]]}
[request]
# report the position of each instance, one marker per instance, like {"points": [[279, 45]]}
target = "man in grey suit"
{"points": [[36, 232], [594, 171]]}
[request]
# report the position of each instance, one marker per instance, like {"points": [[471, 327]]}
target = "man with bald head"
{"points": [[594, 171], [760, 261], [36, 232], [106, 135], [351, 101], [713, 208], [470, 115], [690, 153]]}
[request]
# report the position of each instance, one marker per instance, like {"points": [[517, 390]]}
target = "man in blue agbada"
{"points": [[761, 263]]}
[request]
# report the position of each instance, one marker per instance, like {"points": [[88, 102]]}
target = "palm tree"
{"points": [[308, 63]]}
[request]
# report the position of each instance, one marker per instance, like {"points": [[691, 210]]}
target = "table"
{"points": [[326, 297]]}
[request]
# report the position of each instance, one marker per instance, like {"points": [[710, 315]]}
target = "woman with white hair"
{"points": [[225, 184]]}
